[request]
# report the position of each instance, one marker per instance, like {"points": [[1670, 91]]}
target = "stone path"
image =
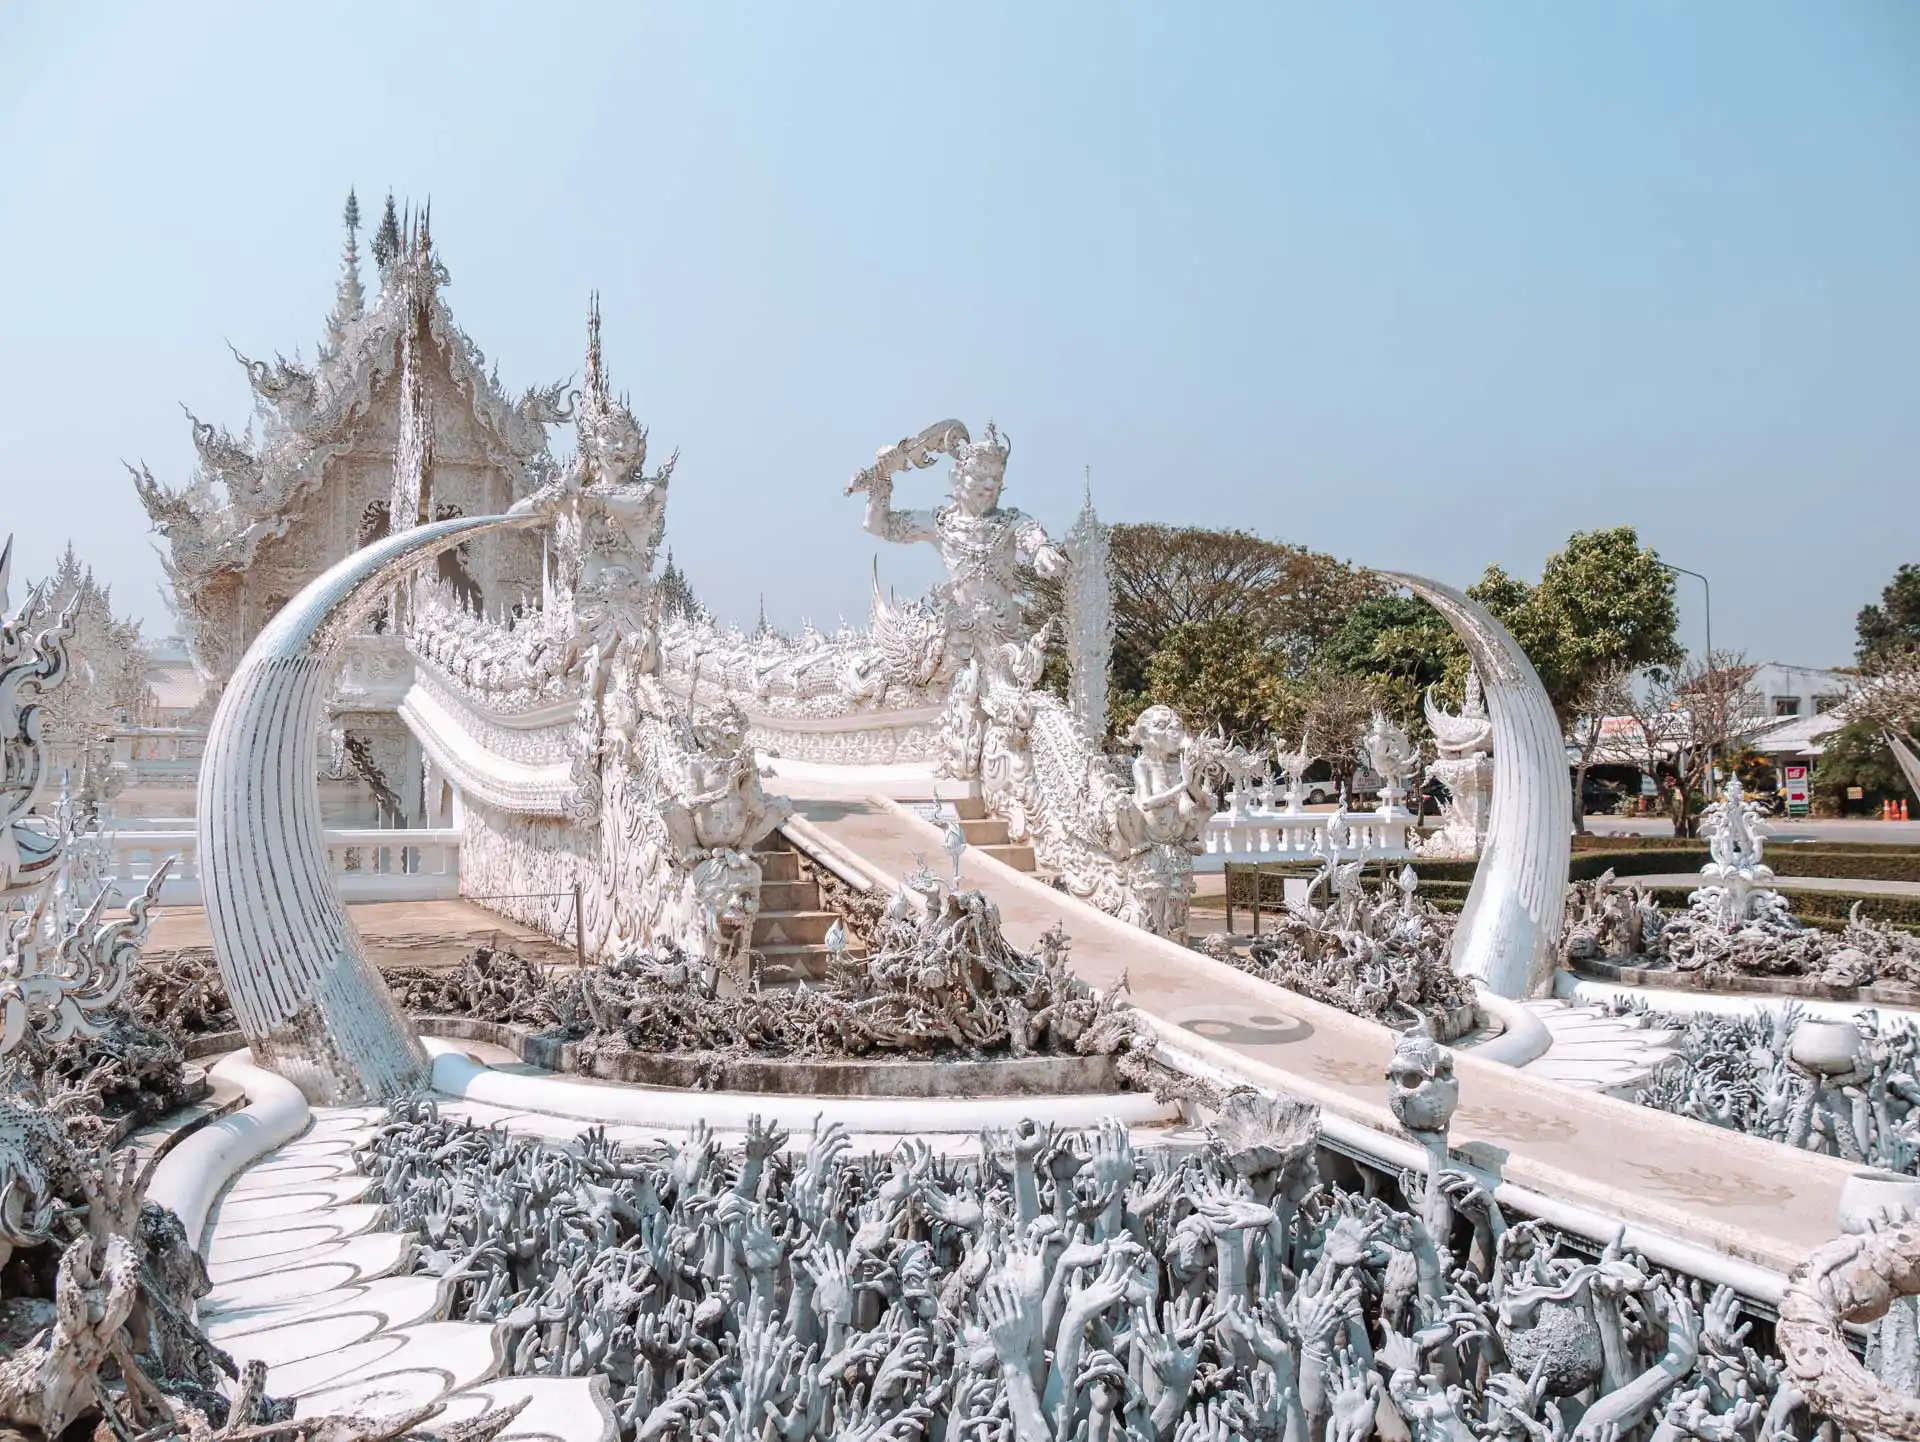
{"points": [[1595, 1050], [304, 1280], [397, 933], [1737, 1194]]}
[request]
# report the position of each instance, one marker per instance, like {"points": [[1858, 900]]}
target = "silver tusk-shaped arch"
{"points": [[1508, 937], [309, 1002]]}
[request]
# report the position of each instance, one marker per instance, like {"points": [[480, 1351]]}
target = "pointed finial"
{"points": [[6, 572], [596, 376], [1087, 493], [386, 240], [349, 300]]}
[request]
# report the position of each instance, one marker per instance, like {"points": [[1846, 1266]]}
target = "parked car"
{"points": [[1597, 798]]}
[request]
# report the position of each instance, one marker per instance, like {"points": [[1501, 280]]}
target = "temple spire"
{"points": [[386, 240], [349, 300], [596, 377], [412, 497], [1089, 608]]}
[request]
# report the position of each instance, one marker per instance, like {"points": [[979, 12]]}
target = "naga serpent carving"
{"points": [[1509, 929], [309, 1002], [1850, 1279]]}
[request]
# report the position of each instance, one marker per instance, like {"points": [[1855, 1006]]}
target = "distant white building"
{"points": [[1791, 703], [174, 688], [1785, 690]]}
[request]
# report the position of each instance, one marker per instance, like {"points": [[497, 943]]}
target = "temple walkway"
{"points": [[1737, 1195], [397, 933]]}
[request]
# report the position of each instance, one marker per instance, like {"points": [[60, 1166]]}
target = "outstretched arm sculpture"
{"points": [[309, 1002], [1510, 926]]}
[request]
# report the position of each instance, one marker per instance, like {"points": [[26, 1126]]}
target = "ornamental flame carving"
{"points": [[62, 971]]}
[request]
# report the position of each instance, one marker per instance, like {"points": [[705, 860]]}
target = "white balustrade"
{"points": [[368, 864], [1246, 835]]}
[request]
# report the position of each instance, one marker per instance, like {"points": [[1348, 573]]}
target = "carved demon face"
{"points": [[728, 887], [1159, 731], [614, 443], [1424, 1091], [723, 731], [977, 480]]}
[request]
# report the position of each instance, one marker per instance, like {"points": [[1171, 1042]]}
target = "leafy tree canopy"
{"points": [[1603, 607], [1892, 626], [1220, 673], [1166, 577], [1397, 635], [1857, 755]]}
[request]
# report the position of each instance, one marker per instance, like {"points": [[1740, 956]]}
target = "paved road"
{"points": [[1745, 1197]]}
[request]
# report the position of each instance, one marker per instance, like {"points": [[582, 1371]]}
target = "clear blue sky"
{"points": [[1424, 285]]}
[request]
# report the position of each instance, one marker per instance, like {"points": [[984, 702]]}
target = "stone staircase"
{"points": [[988, 835], [791, 931]]}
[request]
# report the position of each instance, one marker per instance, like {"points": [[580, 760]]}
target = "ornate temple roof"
{"points": [[249, 488]]}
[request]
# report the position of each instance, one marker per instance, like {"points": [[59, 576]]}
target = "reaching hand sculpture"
{"points": [[1061, 1288]]}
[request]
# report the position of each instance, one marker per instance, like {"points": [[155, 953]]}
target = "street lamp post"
{"points": [[1706, 589]]}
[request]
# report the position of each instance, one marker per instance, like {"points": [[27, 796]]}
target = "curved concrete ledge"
{"points": [[924, 1078], [1691, 1002], [456, 1074], [1882, 996], [197, 1168], [1524, 1037], [1196, 1057]]}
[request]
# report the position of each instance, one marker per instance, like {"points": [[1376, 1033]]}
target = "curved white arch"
{"points": [[310, 1004], [1509, 932]]}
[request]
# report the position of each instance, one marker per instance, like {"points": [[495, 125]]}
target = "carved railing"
{"points": [[1255, 834], [367, 864]]}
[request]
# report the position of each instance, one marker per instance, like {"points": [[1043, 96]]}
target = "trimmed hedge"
{"points": [[1591, 841], [1844, 865]]}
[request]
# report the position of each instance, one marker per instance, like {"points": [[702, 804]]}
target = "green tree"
{"points": [[1892, 626], [1602, 610], [1856, 755], [1399, 646], [1284, 600], [1165, 577], [1393, 635], [1219, 673]]}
